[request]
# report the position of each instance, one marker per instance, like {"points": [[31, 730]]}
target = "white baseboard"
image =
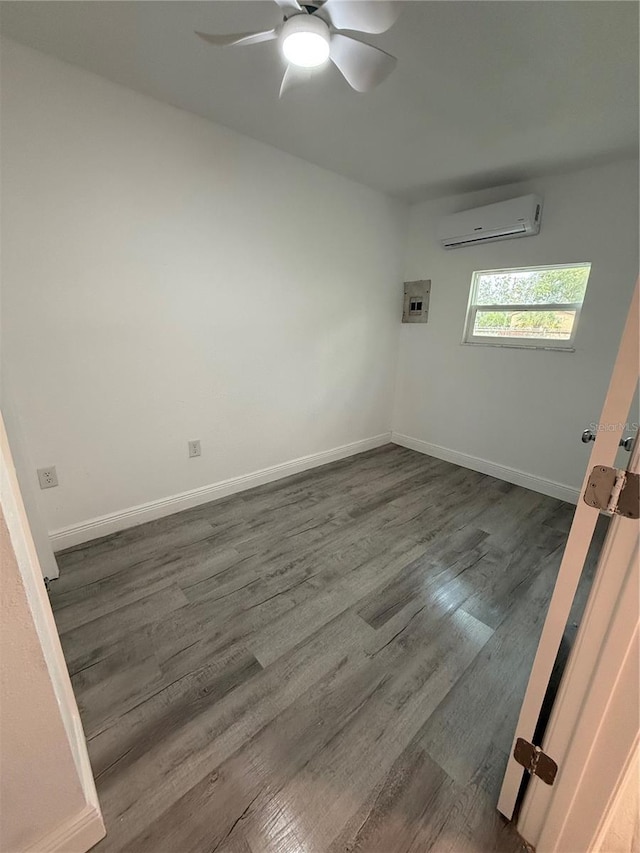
{"points": [[75, 534], [484, 466], [76, 835]]}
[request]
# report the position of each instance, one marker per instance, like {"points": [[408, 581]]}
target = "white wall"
{"points": [[167, 279], [510, 408]]}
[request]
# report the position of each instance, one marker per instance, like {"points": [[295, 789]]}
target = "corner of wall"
{"points": [[25, 471]]}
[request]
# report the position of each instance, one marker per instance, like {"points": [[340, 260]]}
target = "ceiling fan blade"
{"points": [[290, 6], [361, 64], [239, 38], [295, 76], [367, 16]]}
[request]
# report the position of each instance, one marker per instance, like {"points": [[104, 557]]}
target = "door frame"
{"points": [[624, 381], [83, 829]]}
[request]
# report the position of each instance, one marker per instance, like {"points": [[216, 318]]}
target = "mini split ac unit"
{"points": [[517, 217]]}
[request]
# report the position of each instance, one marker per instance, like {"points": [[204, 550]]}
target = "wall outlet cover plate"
{"points": [[47, 477]]}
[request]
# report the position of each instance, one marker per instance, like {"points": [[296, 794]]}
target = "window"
{"points": [[535, 307]]}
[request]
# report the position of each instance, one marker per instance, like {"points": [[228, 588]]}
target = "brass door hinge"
{"points": [[614, 491], [535, 761]]}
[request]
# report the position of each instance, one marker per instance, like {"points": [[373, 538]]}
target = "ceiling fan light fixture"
{"points": [[314, 33], [305, 41]]}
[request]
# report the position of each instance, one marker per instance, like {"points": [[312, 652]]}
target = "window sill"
{"points": [[518, 346]]}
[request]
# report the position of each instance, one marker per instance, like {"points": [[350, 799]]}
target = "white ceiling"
{"points": [[484, 93]]}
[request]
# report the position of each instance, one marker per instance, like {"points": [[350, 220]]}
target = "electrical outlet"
{"points": [[47, 477], [194, 449]]}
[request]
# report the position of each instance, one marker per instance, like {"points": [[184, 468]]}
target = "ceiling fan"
{"points": [[311, 35]]}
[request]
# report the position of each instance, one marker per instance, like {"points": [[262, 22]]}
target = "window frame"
{"points": [[567, 345]]}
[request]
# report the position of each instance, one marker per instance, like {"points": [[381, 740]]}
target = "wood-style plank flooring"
{"points": [[332, 662]]}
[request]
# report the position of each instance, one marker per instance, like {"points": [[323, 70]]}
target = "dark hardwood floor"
{"points": [[333, 662]]}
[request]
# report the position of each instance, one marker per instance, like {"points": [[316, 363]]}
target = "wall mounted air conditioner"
{"points": [[517, 217]]}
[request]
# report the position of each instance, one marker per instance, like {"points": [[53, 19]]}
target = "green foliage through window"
{"points": [[525, 324], [532, 287]]}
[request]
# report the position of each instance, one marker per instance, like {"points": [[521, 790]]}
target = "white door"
{"points": [[594, 728], [624, 381]]}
